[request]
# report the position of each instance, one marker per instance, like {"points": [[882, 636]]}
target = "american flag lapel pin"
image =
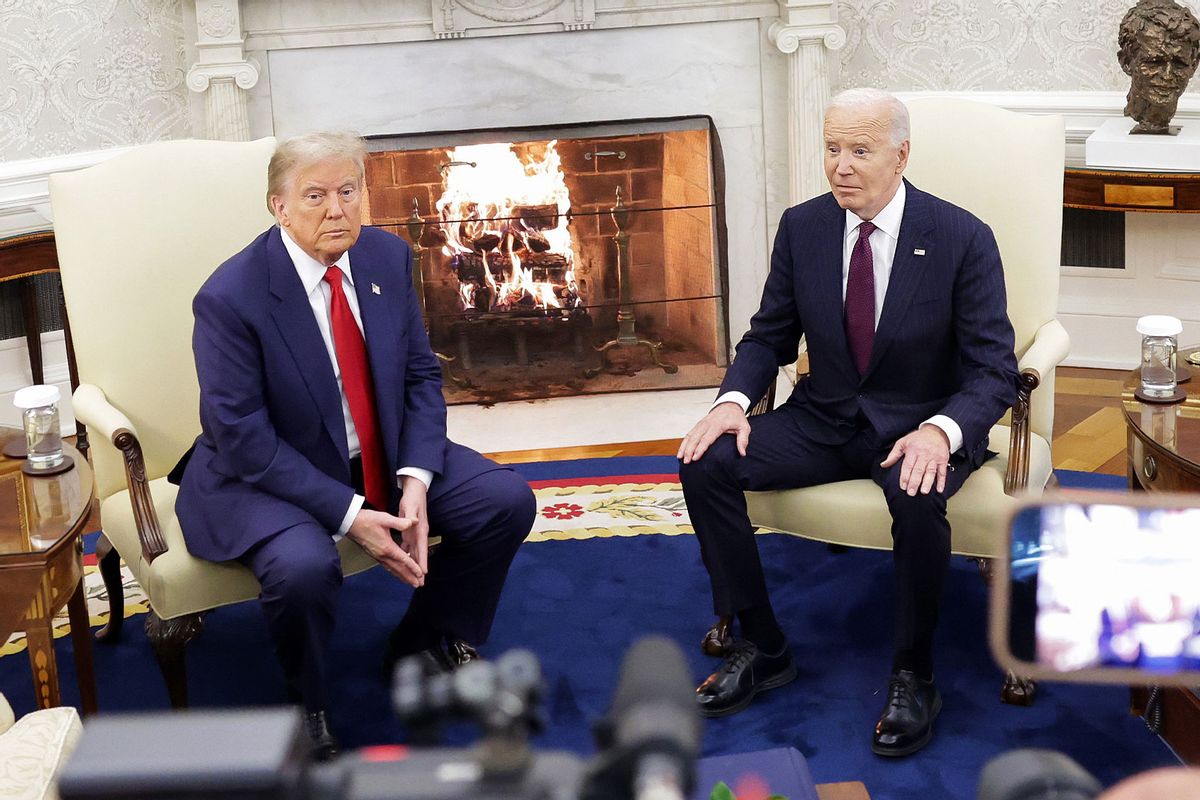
{"points": [[920, 251], [375, 286]]}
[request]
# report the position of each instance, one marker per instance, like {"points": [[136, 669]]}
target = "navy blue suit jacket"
{"points": [[272, 451], [944, 344]]}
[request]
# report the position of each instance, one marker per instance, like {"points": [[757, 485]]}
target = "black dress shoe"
{"points": [[324, 746], [906, 724], [746, 672]]}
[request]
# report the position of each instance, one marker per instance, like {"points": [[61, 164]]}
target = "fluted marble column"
{"points": [[222, 72], [808, 47]]}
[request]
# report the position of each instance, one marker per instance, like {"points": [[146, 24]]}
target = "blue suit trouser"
{"points": [[783, 454], [482, 522]]}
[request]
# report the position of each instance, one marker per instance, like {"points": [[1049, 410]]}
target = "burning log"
{"points": [[485, 242], [537, 242], [546, 267], [538, 218]]}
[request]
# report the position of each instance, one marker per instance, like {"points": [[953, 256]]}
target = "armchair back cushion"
{"points": [[137, 235], [1007, 169]]}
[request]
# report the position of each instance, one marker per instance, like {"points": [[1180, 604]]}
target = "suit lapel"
{"points": [[378, 300], [827, 283], [294, 317], [916, 234]]}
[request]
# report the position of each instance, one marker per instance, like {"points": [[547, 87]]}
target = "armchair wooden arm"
{"points": [[1016, 477], [94, 409]]}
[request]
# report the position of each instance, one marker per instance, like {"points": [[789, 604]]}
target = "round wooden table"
{"points": [[41, 567], [1164, 438], [1163, 447]]}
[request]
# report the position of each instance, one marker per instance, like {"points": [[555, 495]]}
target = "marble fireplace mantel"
{"points": [[760, 68]]}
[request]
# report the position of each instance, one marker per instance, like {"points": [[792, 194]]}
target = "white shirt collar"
{"points": [[888, 220], [311, 271]]}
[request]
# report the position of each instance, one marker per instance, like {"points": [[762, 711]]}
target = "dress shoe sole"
{"points": [[912, 747], [774, 682]]}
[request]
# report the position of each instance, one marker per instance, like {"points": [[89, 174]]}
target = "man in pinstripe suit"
{"points": [[900, 297]]}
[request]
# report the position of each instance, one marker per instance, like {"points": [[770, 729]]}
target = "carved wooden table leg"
{"points": [[109, 561], [40, 639], [81, 638]]}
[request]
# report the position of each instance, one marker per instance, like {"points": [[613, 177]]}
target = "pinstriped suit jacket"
{"points": [[943, 345]]}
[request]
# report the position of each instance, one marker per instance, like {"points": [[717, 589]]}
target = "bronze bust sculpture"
{"points": [[1159, 48]]}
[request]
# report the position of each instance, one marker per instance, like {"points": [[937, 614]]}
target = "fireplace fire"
{"points": [[502, 222], [562, 264]]}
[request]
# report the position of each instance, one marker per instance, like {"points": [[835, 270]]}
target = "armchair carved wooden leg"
{"points": [[109, 561], [1017, 691], [719, 637], [170, 638]]}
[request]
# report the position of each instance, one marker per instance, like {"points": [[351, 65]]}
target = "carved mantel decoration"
{"points": [[222, 72], [453, 19]]}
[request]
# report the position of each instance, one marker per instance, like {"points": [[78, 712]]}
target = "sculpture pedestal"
{"points": [[1111, 145]]}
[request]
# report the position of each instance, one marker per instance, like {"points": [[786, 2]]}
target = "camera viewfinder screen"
{"points": [[1116, 586]]}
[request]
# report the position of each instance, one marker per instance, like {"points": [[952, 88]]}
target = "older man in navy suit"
{"points": [[900, 297], [322, 416]]}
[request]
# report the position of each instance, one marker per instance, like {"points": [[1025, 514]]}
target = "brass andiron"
{"points": [[626, 320], [414, 225]]}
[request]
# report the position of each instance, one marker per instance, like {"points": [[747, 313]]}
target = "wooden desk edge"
{"points": [[848, 790]]}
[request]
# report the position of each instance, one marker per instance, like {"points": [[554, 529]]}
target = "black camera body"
{"points": [[648, 744]]}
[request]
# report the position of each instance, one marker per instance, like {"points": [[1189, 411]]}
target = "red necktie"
{"points": [[356, 383], [860, 299]]}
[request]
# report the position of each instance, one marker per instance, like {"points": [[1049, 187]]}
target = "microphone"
{"points": [[652, 734]]}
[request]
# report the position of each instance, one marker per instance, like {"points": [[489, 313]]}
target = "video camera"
{"points": [[648, 744], [1096, 588]]}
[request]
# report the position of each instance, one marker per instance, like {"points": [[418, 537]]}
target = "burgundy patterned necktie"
{"points": [[351, 354], [860, 299]]}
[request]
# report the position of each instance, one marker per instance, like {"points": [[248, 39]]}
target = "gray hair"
{"points": [[298, 152], [862, 99]]}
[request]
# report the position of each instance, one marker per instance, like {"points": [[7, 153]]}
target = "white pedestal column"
{"points": [[808, 47]]}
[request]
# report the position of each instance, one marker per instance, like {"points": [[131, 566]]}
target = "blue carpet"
{"points": [[580, 604]]}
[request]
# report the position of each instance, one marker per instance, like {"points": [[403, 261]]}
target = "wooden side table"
{"points": [[23, 257], [41, 567], [1163, 446], [1131, 190]]}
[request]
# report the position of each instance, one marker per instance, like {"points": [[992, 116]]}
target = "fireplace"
{"points": [[566, 260]]}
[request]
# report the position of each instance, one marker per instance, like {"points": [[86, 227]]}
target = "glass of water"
{"points": [[43, 437], [1159, 346]]}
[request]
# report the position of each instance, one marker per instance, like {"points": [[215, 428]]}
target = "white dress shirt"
{"points": [[883, 252], [312, 277]]}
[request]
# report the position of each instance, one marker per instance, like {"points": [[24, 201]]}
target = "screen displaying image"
{"points": [[1116, 586]]}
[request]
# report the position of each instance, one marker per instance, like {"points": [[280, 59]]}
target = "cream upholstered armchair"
{"points": [[1007, 169], [137, 235]]}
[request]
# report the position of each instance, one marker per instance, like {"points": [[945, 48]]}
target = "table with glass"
{"points": [[41, 566], [1163, 446]]}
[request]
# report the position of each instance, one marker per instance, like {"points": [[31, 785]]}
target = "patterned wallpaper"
{"points": [[79, 75], [984, 45]]}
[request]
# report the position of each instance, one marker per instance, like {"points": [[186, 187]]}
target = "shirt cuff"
{"points": [[950, 428], [733, 397], [425, 476], [355, 506]]}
